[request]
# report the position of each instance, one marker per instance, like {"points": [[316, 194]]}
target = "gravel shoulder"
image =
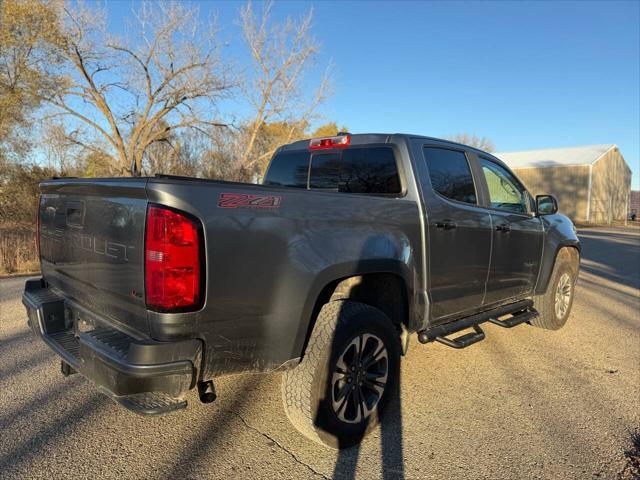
{"points": [[525, 403]]}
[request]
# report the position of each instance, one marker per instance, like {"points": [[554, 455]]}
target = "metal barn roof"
{"points": [[555, 157]]}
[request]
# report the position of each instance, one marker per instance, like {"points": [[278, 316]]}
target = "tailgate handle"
{"points": [[75, 213]]}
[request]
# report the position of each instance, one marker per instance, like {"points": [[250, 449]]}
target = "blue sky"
{"points": [[524, 74]]}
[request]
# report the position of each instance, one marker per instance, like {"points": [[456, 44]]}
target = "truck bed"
{"points": [[269, 252]]}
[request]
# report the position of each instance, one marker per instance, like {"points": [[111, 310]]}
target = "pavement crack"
{"points": [[276, 442]]}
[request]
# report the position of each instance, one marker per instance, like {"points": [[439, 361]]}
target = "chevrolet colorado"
{"points": [[154, 286]]}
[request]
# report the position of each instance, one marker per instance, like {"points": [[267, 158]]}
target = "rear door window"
{"points": [[288, 169], [450, 174]]}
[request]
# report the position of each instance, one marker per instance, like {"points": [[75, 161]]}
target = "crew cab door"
{"points": [[458, 233], [517, 237]]}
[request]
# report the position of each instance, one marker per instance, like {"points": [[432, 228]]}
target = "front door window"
{"points": [[505, 192]]}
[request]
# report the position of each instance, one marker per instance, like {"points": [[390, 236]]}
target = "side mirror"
{"points": [[546, 205]]}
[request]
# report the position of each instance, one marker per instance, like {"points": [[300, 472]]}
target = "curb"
{"points": [[18, 275]]}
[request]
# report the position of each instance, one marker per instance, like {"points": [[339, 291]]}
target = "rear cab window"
{"points": [[288, 169], [324, 172], [366, 170]]}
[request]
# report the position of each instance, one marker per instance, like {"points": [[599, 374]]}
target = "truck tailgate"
{"points": [[92, 246]]}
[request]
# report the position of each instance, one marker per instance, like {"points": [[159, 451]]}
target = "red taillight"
{"points": [[172, 261], [329, 142]]}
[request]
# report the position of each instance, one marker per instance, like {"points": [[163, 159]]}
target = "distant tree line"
{"points": [[473, 140]]}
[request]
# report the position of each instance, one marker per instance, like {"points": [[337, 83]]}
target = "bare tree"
{"points": [[58, 146], [167, 76], [131, 101], [473, 140], [281, 54], [181, 153], [27, 29]]}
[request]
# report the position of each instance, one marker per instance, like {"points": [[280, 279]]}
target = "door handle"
{"points": [[503, 228], [446, 225]]}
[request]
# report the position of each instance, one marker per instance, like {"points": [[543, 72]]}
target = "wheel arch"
{"points": [[568, 249], [382, 284]]}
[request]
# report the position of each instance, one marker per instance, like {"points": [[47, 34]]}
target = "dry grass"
{"points": [[632, 469], [18, 251]]}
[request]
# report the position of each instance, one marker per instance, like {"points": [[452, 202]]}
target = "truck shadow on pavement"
{"points": [[392, 454], [15, 338], [20, 449], [36, 357], [389, 430], [21, 453], [212, 436]]}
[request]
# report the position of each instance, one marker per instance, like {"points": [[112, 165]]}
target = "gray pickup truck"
{"points": [[154, 286]]}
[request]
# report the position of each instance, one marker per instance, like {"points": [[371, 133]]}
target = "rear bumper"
{"points": [[144, 375]]}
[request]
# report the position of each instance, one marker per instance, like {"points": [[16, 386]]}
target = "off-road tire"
{"points": [[306, 389], [567, 262]]}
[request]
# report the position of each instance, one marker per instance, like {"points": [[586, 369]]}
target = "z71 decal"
{"points": [[241, 200]]}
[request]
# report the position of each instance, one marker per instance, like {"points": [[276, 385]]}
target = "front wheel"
{"points": [[337, 394], [555, 305]]}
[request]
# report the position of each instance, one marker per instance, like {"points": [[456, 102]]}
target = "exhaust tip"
{"points": [[423, 337], [207, 391]]}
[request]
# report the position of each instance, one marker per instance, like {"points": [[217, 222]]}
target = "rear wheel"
{"points": [[555, 305], [337, 394]]}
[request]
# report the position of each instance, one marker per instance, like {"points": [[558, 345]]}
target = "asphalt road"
{"points": [[525, 403]]}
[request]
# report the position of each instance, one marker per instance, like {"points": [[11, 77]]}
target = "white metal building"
{"points": [[591, 183]]}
